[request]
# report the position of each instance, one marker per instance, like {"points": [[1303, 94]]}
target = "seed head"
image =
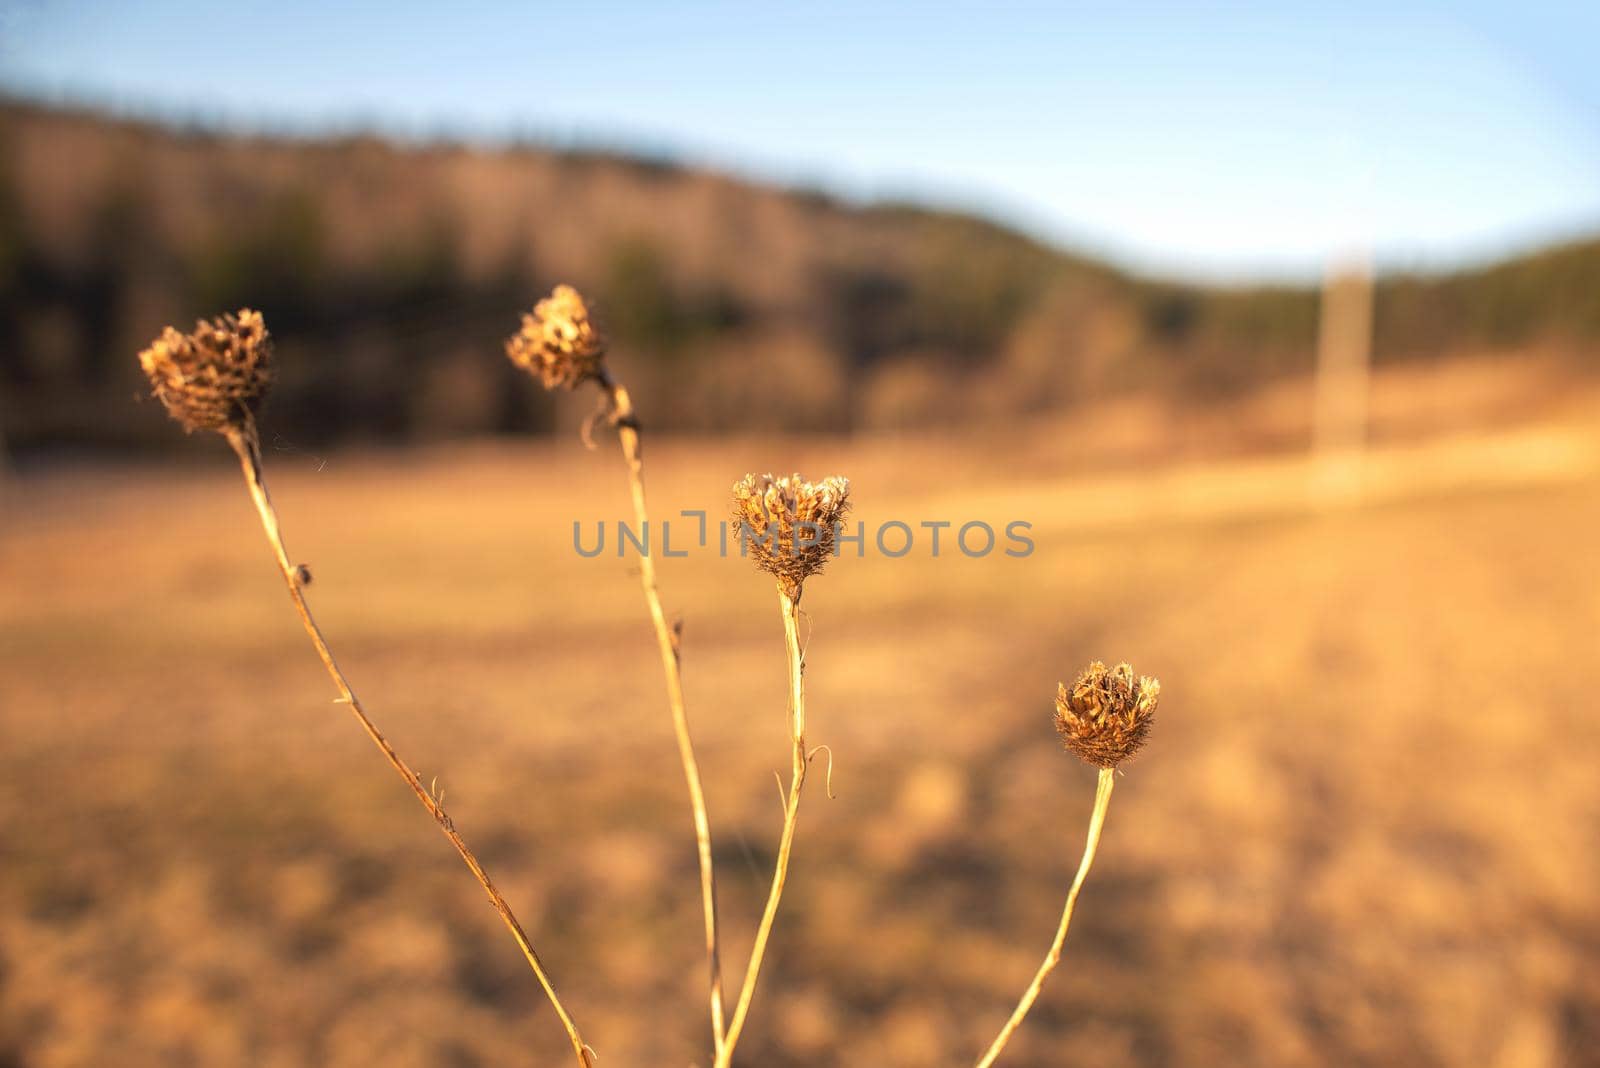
{"points": [[557, 343], [788, 525], [215, 377], [1106, 714]]}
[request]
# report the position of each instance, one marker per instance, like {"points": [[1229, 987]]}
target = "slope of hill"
{"points": [[390, 274]]}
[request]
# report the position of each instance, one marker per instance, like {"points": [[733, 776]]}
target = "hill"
{"points": [[391, 273]]}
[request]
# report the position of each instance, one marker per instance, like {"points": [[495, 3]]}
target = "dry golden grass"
{"points": [[1363, 835]]}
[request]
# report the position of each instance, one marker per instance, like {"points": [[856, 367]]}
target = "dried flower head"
{"points": [[1106, 714], [557, 343], [215, 377], [788, 525]]}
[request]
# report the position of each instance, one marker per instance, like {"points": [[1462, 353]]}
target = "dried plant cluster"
{"points": [[1105, 716], [558, 344], [789, 526], [215, 379]]}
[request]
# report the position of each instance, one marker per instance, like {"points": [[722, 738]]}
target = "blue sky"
{"points": [[1217, 139]]}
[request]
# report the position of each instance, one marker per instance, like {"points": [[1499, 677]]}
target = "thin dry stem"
{"points": [[628, 433], [789, 607], [243, 440], [1102, 800]]}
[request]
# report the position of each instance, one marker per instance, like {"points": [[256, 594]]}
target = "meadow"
{"points": [[1363, 832]]}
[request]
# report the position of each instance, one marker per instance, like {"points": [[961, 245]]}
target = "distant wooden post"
{"points": [[1344, 359]]}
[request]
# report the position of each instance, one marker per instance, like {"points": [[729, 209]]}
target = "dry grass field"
{"points": [[1365, 831]]}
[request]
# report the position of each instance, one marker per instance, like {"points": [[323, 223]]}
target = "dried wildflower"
{"points": [[1106, 714], [214, 378], [788, 525], [557, 343]]}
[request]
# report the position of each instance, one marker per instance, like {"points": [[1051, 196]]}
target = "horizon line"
{"points": [[633, 147]]}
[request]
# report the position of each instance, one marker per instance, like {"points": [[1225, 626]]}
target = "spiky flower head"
{"points": [[1106, 714], [215, 377], [788, 525], [557, 343]]}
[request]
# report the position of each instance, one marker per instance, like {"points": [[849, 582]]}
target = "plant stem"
{"points": [[789, 606], [245, 444], [671, 665], [1102, 800]]}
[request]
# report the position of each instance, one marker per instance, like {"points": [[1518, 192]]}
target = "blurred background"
{"points": [[1280, 326]]}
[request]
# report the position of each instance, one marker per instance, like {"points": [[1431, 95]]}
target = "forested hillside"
{"points": [[390, 275]]}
